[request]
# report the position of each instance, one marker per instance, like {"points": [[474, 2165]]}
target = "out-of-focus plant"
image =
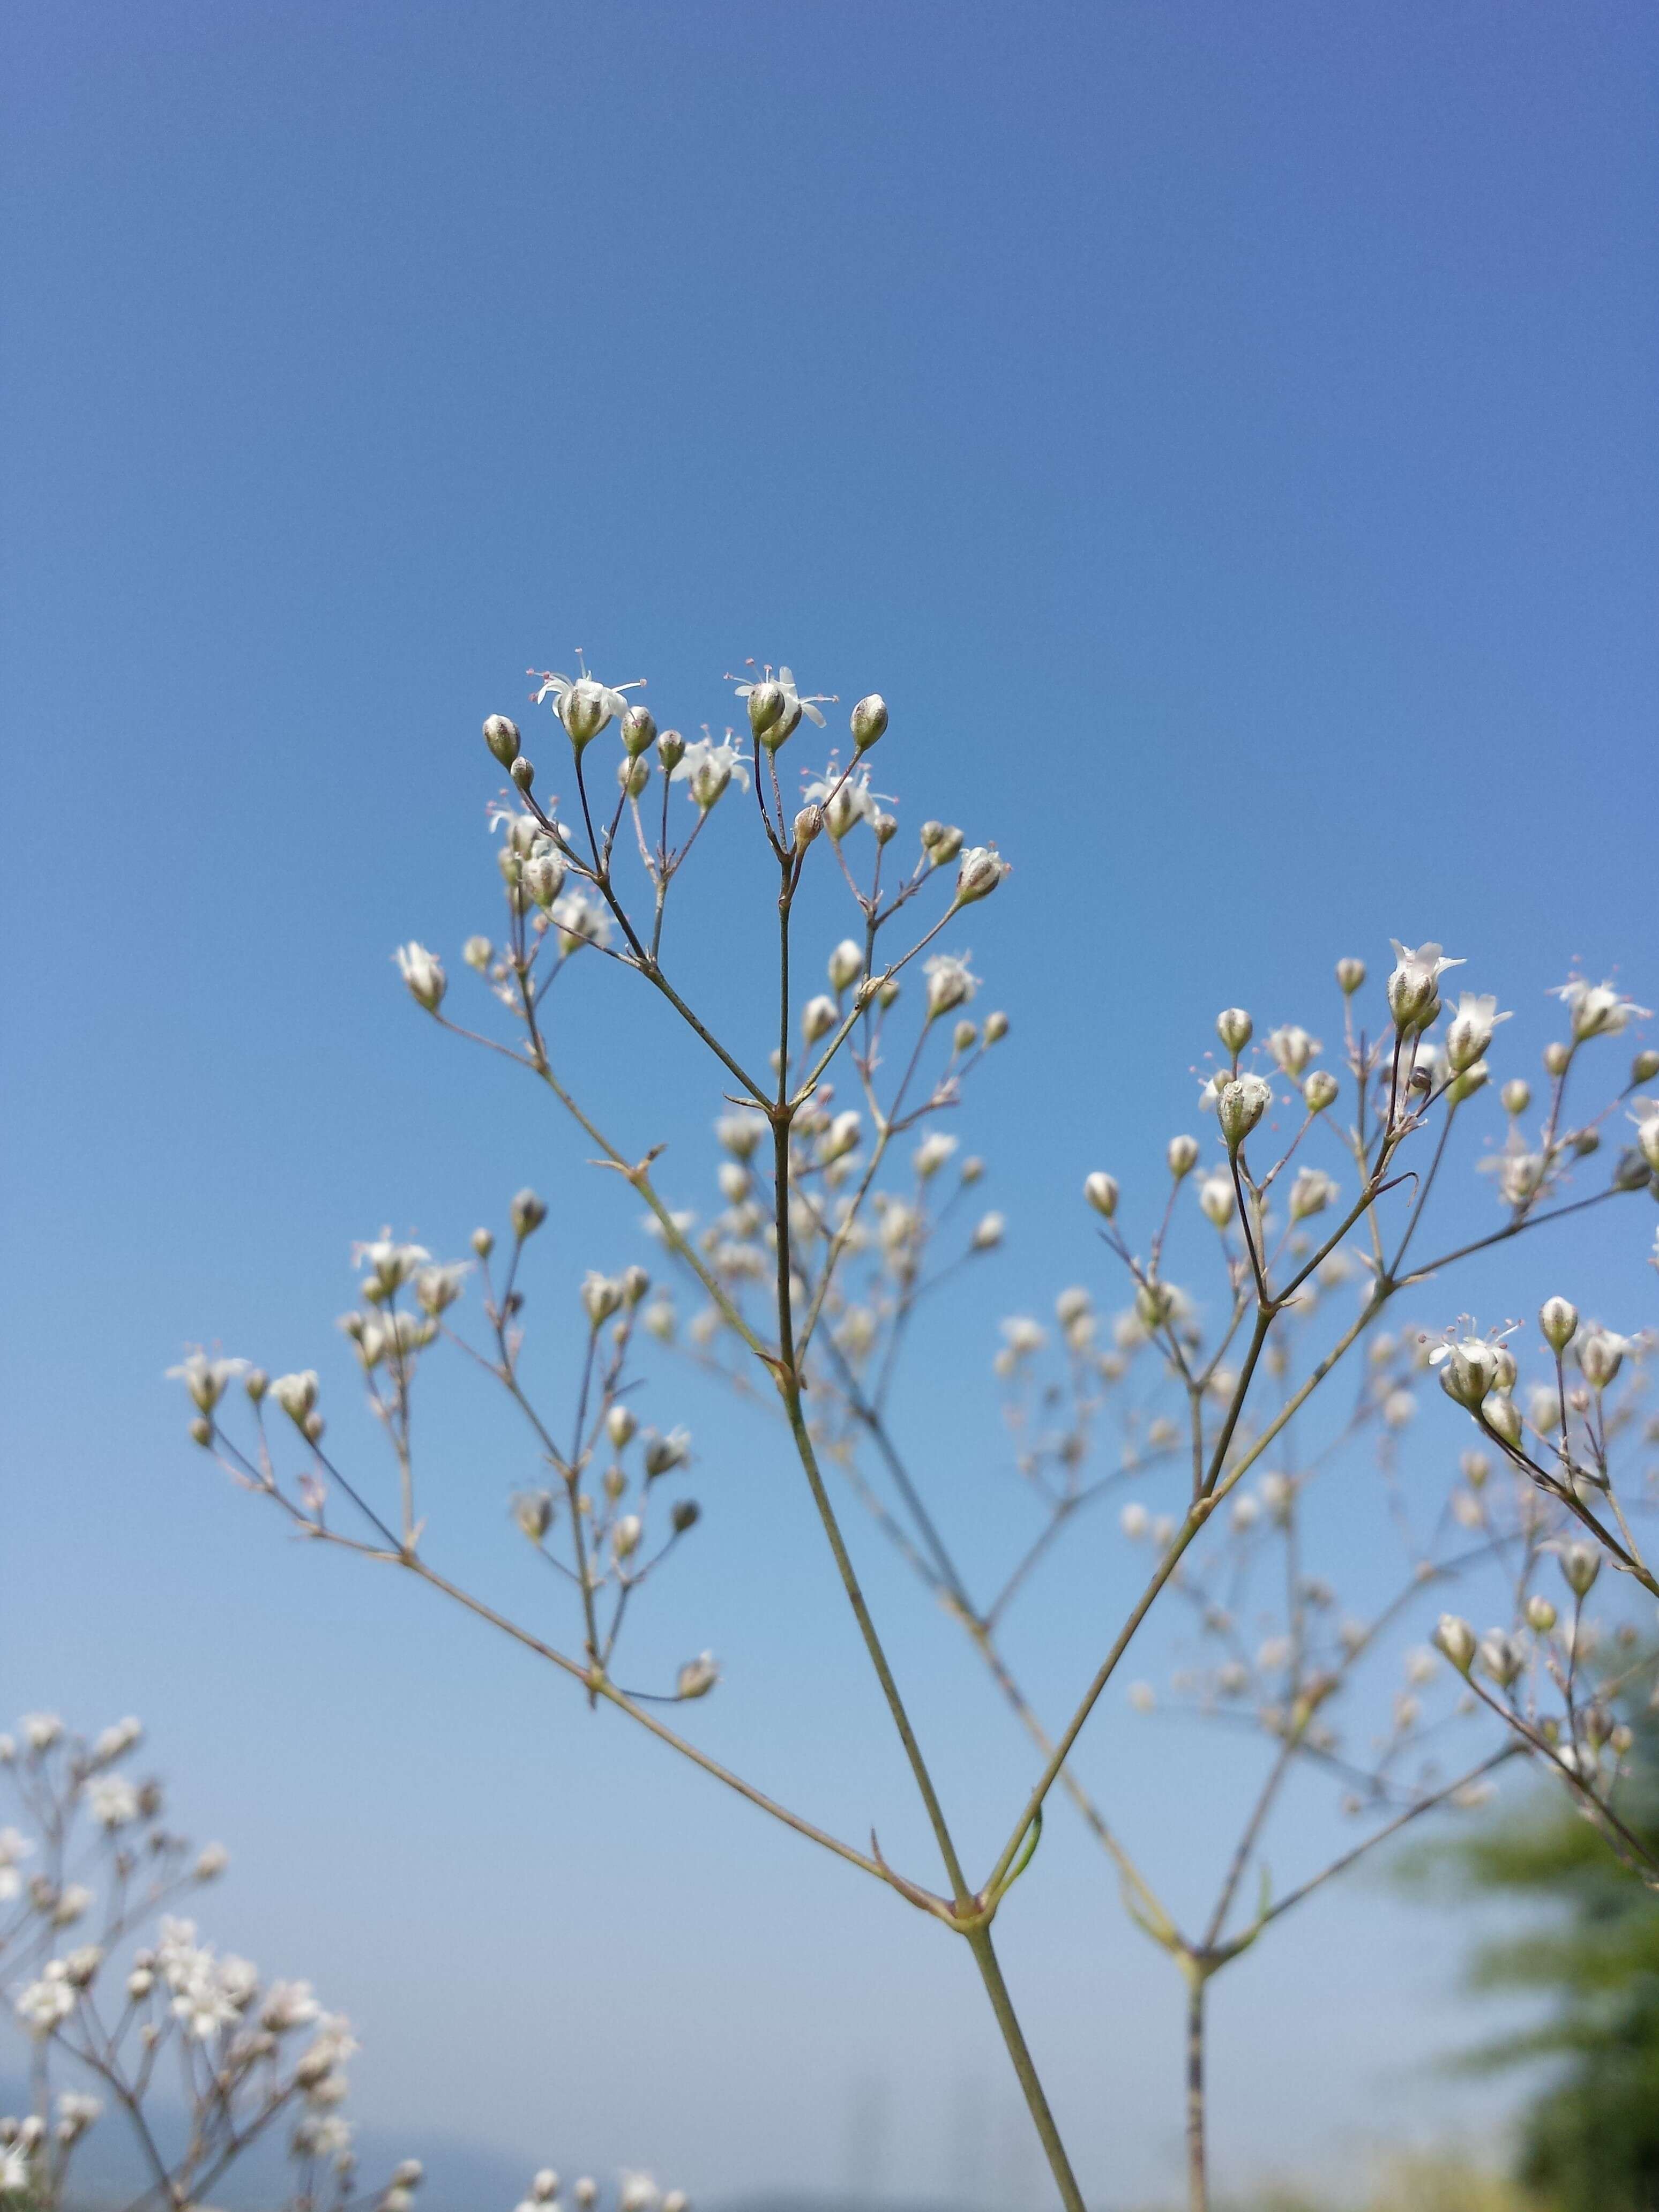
{"points": [[809, 1275], [1590, 1952], [125, 2008]]}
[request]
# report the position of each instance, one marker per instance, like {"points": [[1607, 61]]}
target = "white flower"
{"points": [[1596, 1009], [390, 1265], [845, 803], [77, 2111], [979, 872], [708, 768], [637, 2192], [660, 1454], [288, 2005], [583, 704], [1414, 987], [206, 1380], [1311, 1192], [932, 1153], [601, 1296], [44, 2005], [1645, 1112], [1023, 1335], [580, 921], [1469, 1031], [1143, 1697], [114, 1801], [950, 982], [41, 1730], [14, 2170], [296, 1395], [423, 972], [1240, 1104], [793, 706], [1293, 1047]]}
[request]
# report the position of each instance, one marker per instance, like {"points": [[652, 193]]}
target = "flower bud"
{"points": [[1647, 1131], [501, 736], [869, 721], [1235, 1028], [1474, 1466], [639, 730], [694, 1679], [634, 777], [1320, 1091], [600, 1297], [1645, 1066], [1502, 1657], [1580, 1565], [1502, 1417], [766, 704], [1215, 1199], [1239, 1106], [808, 824], [296, 1395], [523, 772], [201, 1430], [980, 872], [1181, 1153], [1517, 1095], [670, 749], [526, 1213], [1100, 1191], [1349, 975], [1540, 1614], [996, 1027], [625, 1536], [964, 1036], [1454, 1639], [482, 1241], [1559, 1322], [817, 1017], [543, 879], [846, 964], [256, 1383], [532, 1510], [1557, 1058], [1465, 1085], [686, 1515], [989, 1233]]}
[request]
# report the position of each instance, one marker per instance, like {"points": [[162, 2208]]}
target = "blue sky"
{"points": [[1224, 436]]}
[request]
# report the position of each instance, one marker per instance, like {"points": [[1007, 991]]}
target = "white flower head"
{"points": [[390, 1265], [950, 982], [1414, 986], [423, 972], [583, 704], [580, 920], [1596, 1009], [1469, 1030], [777, 705], [708, 768], [206, 1380]]}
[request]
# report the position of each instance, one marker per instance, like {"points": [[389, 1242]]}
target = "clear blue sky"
{"points": [[1226, 436]]}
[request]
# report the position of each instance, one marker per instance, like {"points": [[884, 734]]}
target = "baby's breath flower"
{"points": [[707, 768], [206, 1380], [981, 870], [1414, 986], [951, 983], [423, 972], [1597, 1009]]}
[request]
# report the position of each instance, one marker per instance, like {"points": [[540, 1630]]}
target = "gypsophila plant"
{"points": [[844, 1201], [125, 2008]]}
